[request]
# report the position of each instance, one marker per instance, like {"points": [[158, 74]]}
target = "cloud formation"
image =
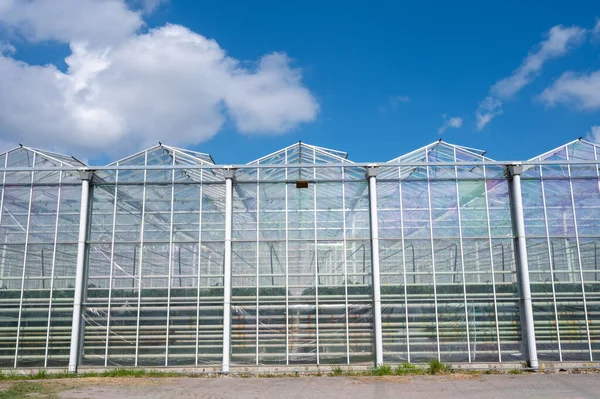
{"points": [[131, 89], [452, 122], [578, 90], [560, 40], [594, 134]]}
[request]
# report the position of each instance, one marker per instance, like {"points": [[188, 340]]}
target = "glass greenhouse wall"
{"points": [[301, 257]]}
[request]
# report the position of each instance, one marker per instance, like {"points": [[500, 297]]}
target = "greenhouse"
{"points": [[302, 257]]}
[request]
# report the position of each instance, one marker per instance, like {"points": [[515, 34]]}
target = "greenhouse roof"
{"points": [[299, 153]]}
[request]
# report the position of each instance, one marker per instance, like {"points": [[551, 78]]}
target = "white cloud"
{"points": [[149, 6], [560, 40], [488, 109], [169, 84], [98, 22], [6, 48], [594, 134], [452, 122], [581, 91], [596, 30]]}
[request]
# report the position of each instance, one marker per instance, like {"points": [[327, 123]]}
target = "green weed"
{"points": [[437, 367]]}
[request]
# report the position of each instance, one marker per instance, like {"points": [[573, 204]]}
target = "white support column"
{"points": [[79, 273], [372, 176], [521, 252], [228, 173]]}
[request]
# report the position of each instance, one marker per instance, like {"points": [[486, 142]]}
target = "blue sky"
{"points": [[375, 79]]}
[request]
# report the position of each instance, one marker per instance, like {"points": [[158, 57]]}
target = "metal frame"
{"points": [[585, 308], [521, 249], [435, 298], [56, 221], [372, 176], [347, 169], [170, 282], [316, 258], [489, 231], [462, 260], [76, 330], [26, 249], [229, 174], [401, 206], [551, 264], [200, 212], [140, 268]]}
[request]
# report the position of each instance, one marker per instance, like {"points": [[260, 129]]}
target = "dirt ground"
{"points": [[547, 386]]}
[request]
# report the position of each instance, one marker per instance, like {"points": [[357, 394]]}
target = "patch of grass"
{"points": [[437, 367], [491, 371], [135, 373], [267, 375], [25, 389], [515, 371], [336, 371], [407, 368], [38, 375], [382, 370]]}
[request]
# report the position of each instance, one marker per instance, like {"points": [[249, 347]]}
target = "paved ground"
{"points": [[546, 386]]}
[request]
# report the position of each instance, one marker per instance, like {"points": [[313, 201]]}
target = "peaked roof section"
{"points": [[28, 157], [300, 153], [296, 154], [158, 155], [576, 150], [22, 156], [162, 154], [440, 151]]}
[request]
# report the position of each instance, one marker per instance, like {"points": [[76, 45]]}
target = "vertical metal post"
{"points": [[551, 264], [372, 176], [258, 257], [199, 285], [489, 231], [521, 249], [578, 243], [170, 272], [1, 211], [317, 338], [25, 250], [112, 264], [228, 174], [141, 263], [595, 158], [435, 298], [56, 220], [75, 348], [404, 279], [287, 259], [344, 248], [462, 259]]}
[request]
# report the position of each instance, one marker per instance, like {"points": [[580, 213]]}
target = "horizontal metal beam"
{"points": [[362, 165]]}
